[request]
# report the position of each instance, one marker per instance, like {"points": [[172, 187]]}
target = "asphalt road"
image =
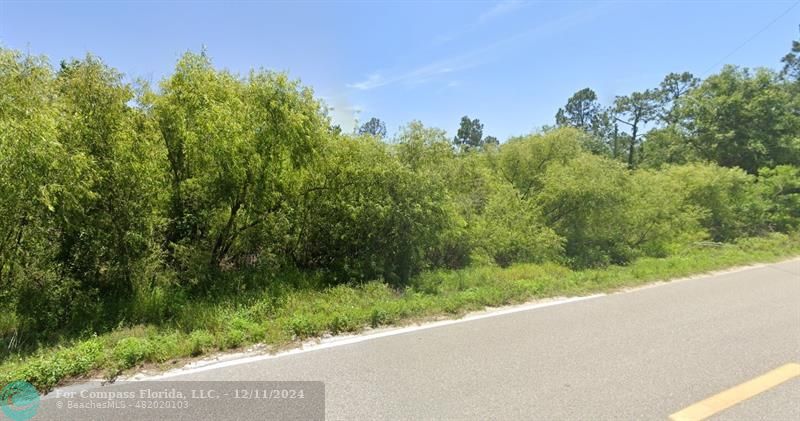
{"points": [[643, 354]]}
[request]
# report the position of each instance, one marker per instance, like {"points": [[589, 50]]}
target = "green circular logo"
{"points": [[19, 400]]}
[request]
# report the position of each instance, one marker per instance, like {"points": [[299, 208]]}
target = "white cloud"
{"points": [[372, 81], [500, 9], [416, 76], [479, 55]]}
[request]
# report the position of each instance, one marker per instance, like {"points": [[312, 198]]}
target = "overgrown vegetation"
{"points": [[140, 224], [284, 315]]}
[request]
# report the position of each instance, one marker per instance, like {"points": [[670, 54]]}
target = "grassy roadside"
{"points": [[281, 319]]}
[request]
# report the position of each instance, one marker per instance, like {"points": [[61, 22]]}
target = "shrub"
{"points": [[130, 351], [780, 187], [728, 197], [585, 201]]}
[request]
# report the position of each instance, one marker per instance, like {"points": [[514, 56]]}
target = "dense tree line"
{"points": [[117, 194]]}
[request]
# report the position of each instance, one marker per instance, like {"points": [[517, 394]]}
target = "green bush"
{"points": [[780, 187], [200, 342], [224, 209], [585, 201], [510, 229], [371, 217], [130, 351], [728, 197]]}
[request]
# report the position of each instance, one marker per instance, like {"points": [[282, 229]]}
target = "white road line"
{"points": [[354, 339]]}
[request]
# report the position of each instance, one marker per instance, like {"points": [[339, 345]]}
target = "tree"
{"points": [[423, 148], [581, 111], [491, 140], [522, 161], [236, 147], [667, 145], [510, 229], [672, 88], [636, 109], [791, 63], [470, 134], [728, 199], [606, 134], [110, 228], [374, 216], [745, 119], [584, 200], [780, 187], [36, 175], [374, 127]]}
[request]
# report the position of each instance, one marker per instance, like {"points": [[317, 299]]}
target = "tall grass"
{"points": [[282, 316]]}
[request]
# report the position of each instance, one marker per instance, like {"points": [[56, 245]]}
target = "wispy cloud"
{"points": [[500, 9], [476, 56], [372, 81], [416, 76]]}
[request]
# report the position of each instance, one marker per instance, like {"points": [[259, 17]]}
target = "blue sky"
{"points": [[511, 64]]}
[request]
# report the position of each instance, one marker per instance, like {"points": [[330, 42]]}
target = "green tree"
{"points": [[423, 148], [374, 127], [584, 201], [367, 215], [470, 135], [117, 224], [581, 111], [728, 199], [37, 175], [744, 119], [791, 63], [510, 229], [235, 147], [523, 161], [780, 187], [635, 110], [673, 88], [667, 145], [491, 140]]}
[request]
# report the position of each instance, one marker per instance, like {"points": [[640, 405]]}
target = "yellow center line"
{"points": [[723, 400]]}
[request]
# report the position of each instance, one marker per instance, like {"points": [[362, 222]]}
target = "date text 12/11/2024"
{"points": [[187, 400]]}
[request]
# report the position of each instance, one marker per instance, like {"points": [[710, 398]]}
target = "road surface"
{"points": [[644, 354]]}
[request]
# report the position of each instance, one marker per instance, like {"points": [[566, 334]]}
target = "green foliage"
{"points": [[584, 200], [374, 127], [791, 63], [728, 198], [106, 234], [744, 119], [667, 145], [81, 178], [524, 161], [366, 215], [236, 148], [581, 111], [305, 313], [659, 218], [781, 189], [511, 229], [131, 351], [222, 210], [469, 135]]}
